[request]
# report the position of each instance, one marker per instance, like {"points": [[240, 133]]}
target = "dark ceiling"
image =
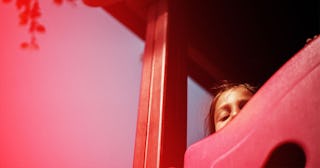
{"points": [[250, 40]]}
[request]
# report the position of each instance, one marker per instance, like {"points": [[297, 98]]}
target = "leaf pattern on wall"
{"points": [[29, 15]]}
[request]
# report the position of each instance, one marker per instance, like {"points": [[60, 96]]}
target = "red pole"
{"points": [[161, 127]]}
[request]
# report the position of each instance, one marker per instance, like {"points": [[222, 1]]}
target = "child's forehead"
{"points": [[237, 92]]}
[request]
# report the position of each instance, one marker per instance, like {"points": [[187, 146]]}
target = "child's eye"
{"points": [[242, 103], [224, 118]]}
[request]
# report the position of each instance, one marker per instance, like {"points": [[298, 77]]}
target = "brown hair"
{"points": [[217, 91]]}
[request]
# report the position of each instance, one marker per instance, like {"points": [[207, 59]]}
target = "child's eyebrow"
{"points": [[244, 100], [225, 107]]}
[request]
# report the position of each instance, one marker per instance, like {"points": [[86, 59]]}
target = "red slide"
{"points": [[279, 126]]}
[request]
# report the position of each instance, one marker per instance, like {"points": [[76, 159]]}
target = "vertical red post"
{"points": [[162, 120]]}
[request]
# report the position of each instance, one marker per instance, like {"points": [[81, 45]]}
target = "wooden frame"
{"points": [[162, 118]]}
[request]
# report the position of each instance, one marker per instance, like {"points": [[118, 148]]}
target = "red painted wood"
{"points": [[101, 2], [174, 136], [143, 122], [202, 70], [131, 13], [286, 109], [161, 126]]}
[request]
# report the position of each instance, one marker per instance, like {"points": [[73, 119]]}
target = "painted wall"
{"points": [[73, 102]]}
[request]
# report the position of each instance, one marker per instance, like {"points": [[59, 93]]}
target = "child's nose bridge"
{"points": [[235, 110]]}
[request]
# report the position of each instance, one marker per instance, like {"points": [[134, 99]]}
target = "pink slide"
{"points": [[279, 126]]}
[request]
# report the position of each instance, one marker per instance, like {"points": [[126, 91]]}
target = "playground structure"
{"points": [[209, 41]]}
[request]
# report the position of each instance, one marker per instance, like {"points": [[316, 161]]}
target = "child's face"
{"points": [[229, 105]]}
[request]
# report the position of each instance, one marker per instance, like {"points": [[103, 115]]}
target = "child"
{"points": [[227, 103]]}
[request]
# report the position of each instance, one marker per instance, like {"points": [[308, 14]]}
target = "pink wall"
{"points": [[73, 102]]}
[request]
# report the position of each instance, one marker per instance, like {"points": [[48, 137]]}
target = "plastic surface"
{"points": [[285, 110]]}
